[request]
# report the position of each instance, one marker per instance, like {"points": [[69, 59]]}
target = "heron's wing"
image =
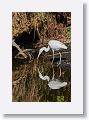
{"points": [[55, 84], [55, 44]]}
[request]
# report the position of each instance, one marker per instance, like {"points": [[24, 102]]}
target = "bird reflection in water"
{"points": [[54, 83]]}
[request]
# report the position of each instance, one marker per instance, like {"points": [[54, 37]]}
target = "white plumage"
{"points": [[54, 45], [56, 84], [52, 83]]}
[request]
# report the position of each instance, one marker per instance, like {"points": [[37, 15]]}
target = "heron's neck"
{"points": [[43, 77], [47, 49]]}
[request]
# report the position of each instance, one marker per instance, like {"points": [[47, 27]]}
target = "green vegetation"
{"points": [[68, 32], [60, 99]]}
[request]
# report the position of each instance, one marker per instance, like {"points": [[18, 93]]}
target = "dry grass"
{"points": [[45, 23]]}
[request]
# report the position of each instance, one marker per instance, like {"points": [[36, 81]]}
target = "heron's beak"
{"points": [[40, 51], [37, 59], [38, 56]]}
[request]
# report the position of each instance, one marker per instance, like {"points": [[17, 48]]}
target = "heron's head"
{"points": [[40, 51], [46, 77]]}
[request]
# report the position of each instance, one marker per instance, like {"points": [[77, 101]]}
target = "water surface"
{"points": [[41, 81]]}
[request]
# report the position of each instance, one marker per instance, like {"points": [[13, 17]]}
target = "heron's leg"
{"points": [[53, 56], [60, 72], [53, 72], [60, 58]]}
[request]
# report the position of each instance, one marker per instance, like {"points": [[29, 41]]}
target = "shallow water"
{"points": [[42, 81]]}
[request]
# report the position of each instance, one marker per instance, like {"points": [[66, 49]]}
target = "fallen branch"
{"points": [[25, 51], [19, 49]]}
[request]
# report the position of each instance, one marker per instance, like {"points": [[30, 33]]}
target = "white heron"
{"points": [[56, 84], [53, 83], [54, 45]]}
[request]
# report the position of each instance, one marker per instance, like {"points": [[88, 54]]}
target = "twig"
{"points": [[24, 51], [19, 49]]}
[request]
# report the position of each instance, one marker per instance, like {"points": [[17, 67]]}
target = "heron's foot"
{"points": [[37, 60], [52, 62], [59, 63]]}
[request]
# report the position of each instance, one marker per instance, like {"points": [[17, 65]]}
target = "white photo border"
{"points": [[76, 104]]}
